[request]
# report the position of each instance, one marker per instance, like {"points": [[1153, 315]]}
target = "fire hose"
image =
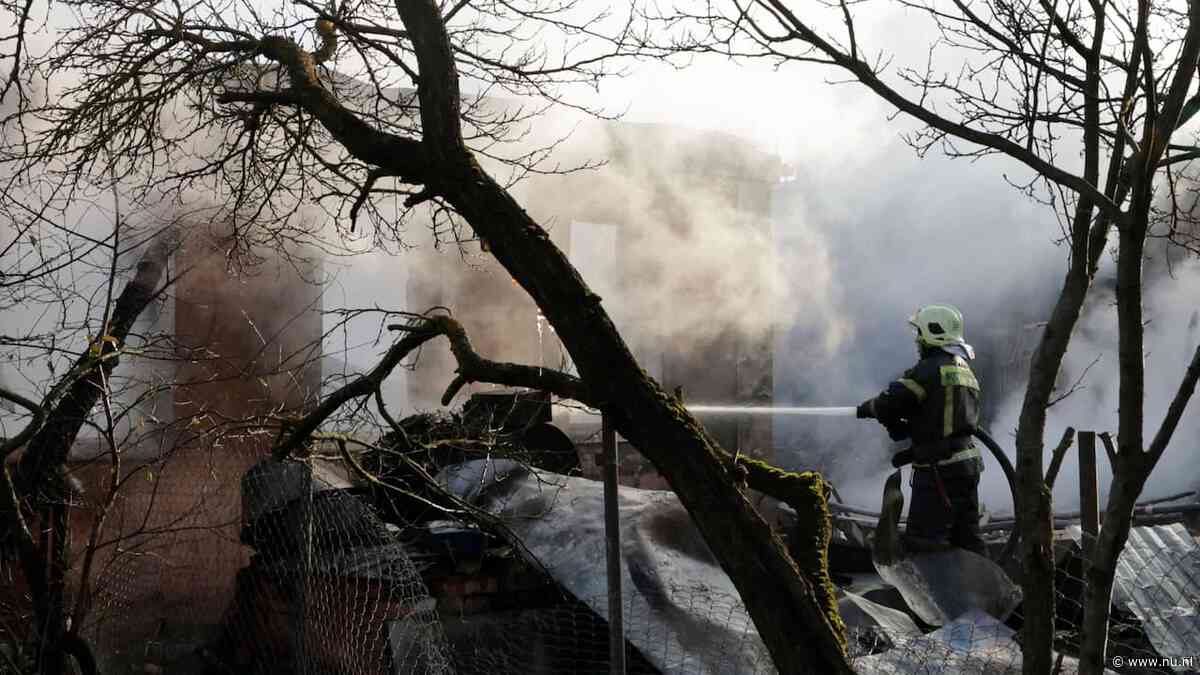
{"points": [[1006, 465], [1010, 475]]}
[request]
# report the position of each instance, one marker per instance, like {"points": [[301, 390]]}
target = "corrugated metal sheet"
{"points": [[1158, 580]]}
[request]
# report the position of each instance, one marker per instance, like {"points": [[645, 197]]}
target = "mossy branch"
{"points": [[807, 492]]}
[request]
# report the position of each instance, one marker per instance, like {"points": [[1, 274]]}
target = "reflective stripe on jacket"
{"points": [[939, 401]]}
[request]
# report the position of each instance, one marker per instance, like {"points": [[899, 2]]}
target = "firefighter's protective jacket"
{"points": [[938, 401]]}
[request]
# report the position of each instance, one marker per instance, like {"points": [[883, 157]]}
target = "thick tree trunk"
{"points": [[1134, 463], [1130, 341], [52, 634], [1034, 504], [1130, 470], [1034, 521], [1102, 569], [786, 609], [784, 606]]}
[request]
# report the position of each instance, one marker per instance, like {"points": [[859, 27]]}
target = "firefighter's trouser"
{"points": [[945, 508]]}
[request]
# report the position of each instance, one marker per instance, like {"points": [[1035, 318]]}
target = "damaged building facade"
{"points": [[246, 343], [673, 226]]}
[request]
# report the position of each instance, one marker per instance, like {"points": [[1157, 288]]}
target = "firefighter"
{"points": [[936, 404]]}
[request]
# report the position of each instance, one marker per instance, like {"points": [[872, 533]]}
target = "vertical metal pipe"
{"points": [[612, 536], [56, 539], [303, 601], [1089, 493]]}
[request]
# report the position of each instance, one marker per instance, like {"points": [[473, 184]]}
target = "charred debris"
{"points": [[472, 505]]}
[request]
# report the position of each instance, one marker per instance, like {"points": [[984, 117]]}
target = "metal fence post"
{"points": [[302, 600], [612, 536]]}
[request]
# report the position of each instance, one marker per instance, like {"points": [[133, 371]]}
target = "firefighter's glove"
{"points": [[897, 431], [864, 411], [902, 458]]}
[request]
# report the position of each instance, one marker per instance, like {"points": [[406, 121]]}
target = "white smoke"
{"points": [[1172, 312], [900, 232]]}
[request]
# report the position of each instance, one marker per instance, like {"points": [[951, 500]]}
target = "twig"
{"points": [[294, 435], [12, 503], [1186, 388], [1109, 448], [1076, 386], [1056, 460], [483, 517]]}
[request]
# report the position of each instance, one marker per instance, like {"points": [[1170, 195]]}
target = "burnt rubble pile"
{"points": [[502, 424], [415, 582], [516, 583], [908, 617]]}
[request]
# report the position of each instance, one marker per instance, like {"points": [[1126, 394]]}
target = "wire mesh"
{"points": [[217, 562], [569, 637], [330, 588]]}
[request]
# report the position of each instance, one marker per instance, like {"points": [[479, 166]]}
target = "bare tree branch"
{"points": [[49, 448], [1060, 452], [1175, 411]]}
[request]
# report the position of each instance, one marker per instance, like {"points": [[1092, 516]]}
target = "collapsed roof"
{"points": [[684, 613]]}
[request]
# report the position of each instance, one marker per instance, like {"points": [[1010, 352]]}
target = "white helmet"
{"points": [[941, 326]]}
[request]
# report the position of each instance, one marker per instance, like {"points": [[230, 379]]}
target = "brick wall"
{"points": [[169, 551]]}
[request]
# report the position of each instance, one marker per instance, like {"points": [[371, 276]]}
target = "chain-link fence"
{"points": [[570, 637], [219, 561], [1154, 622]]}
